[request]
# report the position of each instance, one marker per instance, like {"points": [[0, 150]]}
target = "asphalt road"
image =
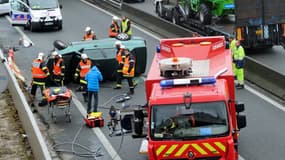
{"points": [[262, 139]]}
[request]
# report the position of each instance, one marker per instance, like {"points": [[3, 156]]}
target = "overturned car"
{"points": [[102, 53]]}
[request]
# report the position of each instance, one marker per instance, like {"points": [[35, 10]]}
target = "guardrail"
{"points": [[255, 72], [35, 138]]}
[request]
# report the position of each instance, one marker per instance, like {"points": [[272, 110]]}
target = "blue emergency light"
{"points": [[189, 81]]}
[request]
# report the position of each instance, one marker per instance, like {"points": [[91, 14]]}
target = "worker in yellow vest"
{"points": [[239, 60], [126, 26], [233, 48]]}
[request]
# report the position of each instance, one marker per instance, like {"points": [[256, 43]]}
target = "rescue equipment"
{"points": [[94, 119]]}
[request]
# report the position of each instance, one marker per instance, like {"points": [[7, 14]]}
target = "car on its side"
{"points": [[102, 53]]}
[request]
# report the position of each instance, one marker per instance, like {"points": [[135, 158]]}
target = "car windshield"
{"points": [[202, 120], [101, 53], [43, 4]]}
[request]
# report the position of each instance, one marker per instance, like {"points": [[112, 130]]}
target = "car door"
{"points": [[19, 12], [4, 6]]}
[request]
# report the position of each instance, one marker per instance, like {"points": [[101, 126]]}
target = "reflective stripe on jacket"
{"points": [[84, 67]]}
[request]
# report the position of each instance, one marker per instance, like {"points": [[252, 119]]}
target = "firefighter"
{"points": [[239, 60], [82, 69], [233, 48], [126, 26], [114, 29], [58, 68], [40, 73], [89, 34], [129, 70], [120, 57]]}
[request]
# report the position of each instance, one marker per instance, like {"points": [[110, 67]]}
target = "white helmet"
{"points": [[115, 18], [54, 53], [87, 29], [84, 56], [118, 43], [41, 55], [122, 47]]}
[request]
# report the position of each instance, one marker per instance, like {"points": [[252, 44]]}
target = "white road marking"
{"points": [[266, 98], [20, 31], [108, 146]]}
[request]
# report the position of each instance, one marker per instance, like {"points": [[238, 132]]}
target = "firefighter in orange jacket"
{"points": [[120, 57], [89, 34], [58, 69], [129, 69], [82, 69], [40, 73], [114, 29]]}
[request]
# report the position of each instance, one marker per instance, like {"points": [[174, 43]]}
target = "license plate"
{"points": [[48, 23]]}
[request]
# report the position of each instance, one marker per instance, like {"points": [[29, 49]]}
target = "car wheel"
{"points": [[159, 9], [205, 16], [175, 17], [58, 44], [32, 27], [59, 27]]}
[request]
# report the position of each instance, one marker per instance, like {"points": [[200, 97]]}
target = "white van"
{"points": [[4, 7], [36, 14]]}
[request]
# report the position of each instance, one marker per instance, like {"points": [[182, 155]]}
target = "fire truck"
{"points": [[191, 110]]}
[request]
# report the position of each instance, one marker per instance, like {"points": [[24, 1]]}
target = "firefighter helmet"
{"points": [[84, 56]]}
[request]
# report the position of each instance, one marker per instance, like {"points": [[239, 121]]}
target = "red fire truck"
{"points": [[191, 107]]}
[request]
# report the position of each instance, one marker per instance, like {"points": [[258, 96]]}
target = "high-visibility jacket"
{"points": [[120, 55], [233, 46], [39, 70], [84, 67], [114, 29], [89, 36], [126, 27], [58, 67], [129, 66], [239, 56]]}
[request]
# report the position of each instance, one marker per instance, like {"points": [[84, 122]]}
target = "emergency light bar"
{"points": [[189, 81]]}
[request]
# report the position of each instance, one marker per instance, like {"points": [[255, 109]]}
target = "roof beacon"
{"points": [[188, 81]]}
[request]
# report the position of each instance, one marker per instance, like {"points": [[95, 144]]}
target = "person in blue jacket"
{"points": [[93, 77]]}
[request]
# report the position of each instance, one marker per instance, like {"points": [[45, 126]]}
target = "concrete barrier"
{"points": [[35, 138], [255, 72], [265, 77]]}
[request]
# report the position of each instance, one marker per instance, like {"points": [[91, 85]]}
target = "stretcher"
{"points": [[59, 98]]}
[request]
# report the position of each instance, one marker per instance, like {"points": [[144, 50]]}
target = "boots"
{"points": [[131, 92]]}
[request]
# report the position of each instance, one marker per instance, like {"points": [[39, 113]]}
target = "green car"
{"points": [[102, 53]]}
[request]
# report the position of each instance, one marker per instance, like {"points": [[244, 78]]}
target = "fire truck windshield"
{"points": [[202, 120]]}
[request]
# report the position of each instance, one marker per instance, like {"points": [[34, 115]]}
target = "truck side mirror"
{"points": [[239, 107], [60, 6], [241, 121]]}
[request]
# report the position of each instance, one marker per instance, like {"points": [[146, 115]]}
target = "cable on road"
{"points": [[88, 152]]}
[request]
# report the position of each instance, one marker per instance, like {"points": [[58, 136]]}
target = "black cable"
{"points": [[89, 152]]}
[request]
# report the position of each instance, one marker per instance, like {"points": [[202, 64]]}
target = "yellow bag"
{"points": [[95, 114]]}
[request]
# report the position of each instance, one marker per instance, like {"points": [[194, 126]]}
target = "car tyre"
{"points": [[205, 15], [58, 44]]}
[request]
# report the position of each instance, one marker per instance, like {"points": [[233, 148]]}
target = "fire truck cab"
{"points": [[191, 107]]}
